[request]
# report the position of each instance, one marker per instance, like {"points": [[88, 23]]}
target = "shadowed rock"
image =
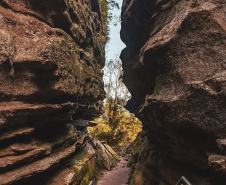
{"points": [[174, 67]]}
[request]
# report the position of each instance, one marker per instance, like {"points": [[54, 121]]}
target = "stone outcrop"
{"points": [[82, 168], [51, 60], [174, 67]]}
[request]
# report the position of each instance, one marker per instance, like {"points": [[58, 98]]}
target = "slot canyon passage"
{"points": [[51, 57]]}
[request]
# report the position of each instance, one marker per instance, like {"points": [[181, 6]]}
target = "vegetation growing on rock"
{"points": [[107, 6], [51, 57]]}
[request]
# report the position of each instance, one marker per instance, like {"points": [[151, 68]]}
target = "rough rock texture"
{"points": [[175, 68], [81, 168], [51, 60]]}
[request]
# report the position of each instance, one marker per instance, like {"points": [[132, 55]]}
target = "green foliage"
{"points": [[113, 80], [107, 6], [117, 127]]}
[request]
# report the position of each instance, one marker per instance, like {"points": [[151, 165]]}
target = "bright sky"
{"points": [[113, 50], [115, 45]]}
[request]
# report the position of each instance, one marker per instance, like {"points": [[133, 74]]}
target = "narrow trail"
{"points": [[117, 176]]}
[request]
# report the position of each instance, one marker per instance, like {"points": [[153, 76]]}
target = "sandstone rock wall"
{"points": [[174, 66], [51, 60]]}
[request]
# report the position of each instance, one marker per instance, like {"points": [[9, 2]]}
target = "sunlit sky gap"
{"points": [[113, 49], [115, 45]]}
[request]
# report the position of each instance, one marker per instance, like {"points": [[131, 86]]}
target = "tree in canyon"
{"points": [[116, 126]]}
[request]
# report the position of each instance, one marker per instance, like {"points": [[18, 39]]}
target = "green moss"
{"points": [[130, 161], [90, 169], [99, 159], [6, 49], [194, 4], [85, 167], [3, 41], [88, 48], [113, 159], [136, 148], [81, 155], [104, 38], [137, 144], [62, 52]]}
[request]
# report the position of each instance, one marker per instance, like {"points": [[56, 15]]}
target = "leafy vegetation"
{"points": [[117, 126], [107, 6]]}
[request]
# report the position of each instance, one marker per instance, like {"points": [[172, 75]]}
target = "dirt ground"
{"points": [[117, 176]]}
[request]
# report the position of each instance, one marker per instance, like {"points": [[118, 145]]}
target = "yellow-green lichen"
{"points": [[6, 48], [84, 167], [194, 4]]}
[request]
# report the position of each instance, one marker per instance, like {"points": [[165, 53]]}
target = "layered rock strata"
{"points": [[174, 66], [51, 60]]}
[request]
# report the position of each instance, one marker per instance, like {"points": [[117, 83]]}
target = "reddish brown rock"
{"points": [[221, 143], [24, 172], [51, 60], [218, 162], [83, 167], [174, 67]]}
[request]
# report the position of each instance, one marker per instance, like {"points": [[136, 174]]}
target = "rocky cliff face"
{"points": [[174, 64], [51, 59]]}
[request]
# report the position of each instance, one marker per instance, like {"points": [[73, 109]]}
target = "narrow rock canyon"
{"points": [[175, 68], [52, 53]]}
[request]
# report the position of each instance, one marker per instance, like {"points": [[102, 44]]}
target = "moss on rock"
{"points": [[62, 52], [6, 47]]}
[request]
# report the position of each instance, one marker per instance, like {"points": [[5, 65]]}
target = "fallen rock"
{"points": [[217, 162], [84, 167]]}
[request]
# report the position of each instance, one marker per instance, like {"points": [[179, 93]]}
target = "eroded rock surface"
{"points": [[51, 60], [174, 66]]}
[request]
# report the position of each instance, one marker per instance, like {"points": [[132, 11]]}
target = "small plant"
{"points": [[107, 6], [80, 155], [117, 126], [194, 4], [88, 48]]}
